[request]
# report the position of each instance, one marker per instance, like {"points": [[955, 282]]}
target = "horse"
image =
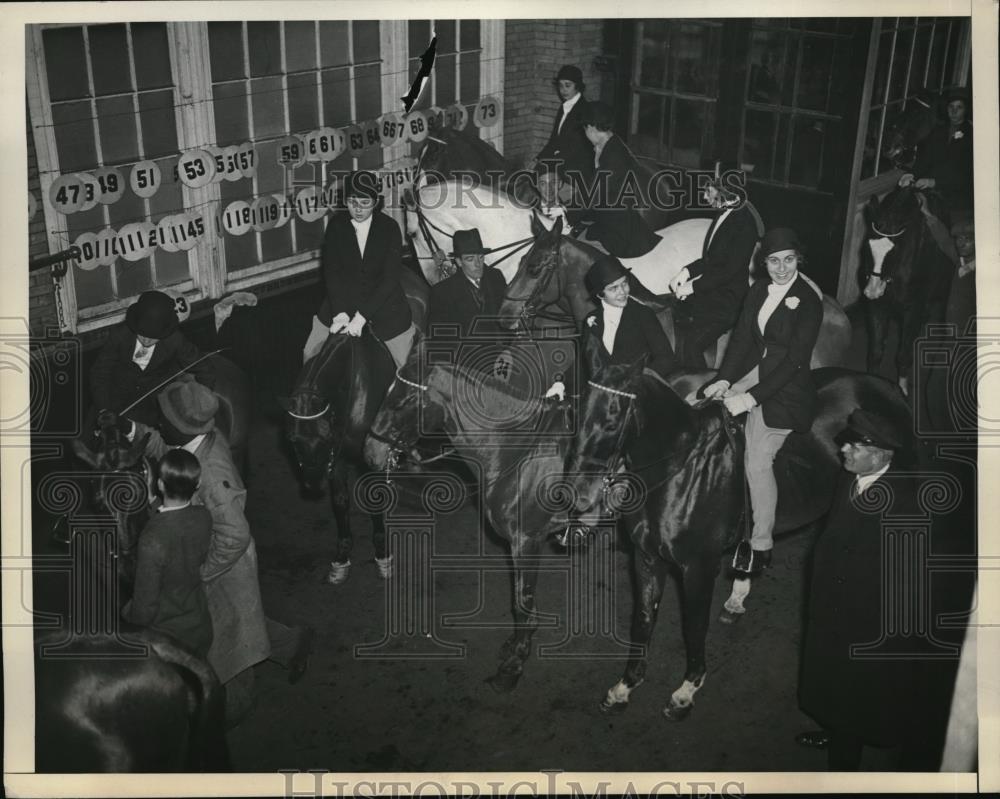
{"points": [[132, 701], [904, 275], [522, 447], [909, 128], [683, 494], [535, 291]]}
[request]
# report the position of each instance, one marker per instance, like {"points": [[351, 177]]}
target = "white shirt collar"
{"points": [[142, 361], [863, 481], [362, 225], [194, 443], [568, 104], [612, 313], [165, 509]]}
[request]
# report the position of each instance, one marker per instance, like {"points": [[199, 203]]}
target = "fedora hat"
{"points": [[778, 239], [876, 430], [362, 183], [606, 269], [468, 242], [189, 406], [153, 315]]}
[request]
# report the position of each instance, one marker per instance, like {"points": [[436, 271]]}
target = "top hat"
{"points": [[778, 239], [606, 269], [873, 429], [189, 406], [362, 183], [468, 242], [570, 72], [153, 315]]}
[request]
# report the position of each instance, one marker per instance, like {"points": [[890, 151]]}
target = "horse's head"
{"points": [[891, 225], [533, 287], [607, 419], [311, 435], [908, 129]]}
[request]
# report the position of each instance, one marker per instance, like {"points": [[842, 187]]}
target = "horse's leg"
{"points": [[341, 501], [518, 646], [911, 326], [651, 576], [699, 580], [732, 609], [877, 325], [383, 558]]}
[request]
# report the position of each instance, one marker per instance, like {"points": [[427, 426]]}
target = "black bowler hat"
{"points": [[362, 183], [571, 72], [873, 429], [468, 242], [153, 315], [606, 269], [778, 239]]}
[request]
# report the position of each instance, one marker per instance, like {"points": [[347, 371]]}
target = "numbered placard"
{"points": [[87, 244], [331, 143], [66, 194], [291, 151], [218, 155], [416, 126], [373, 134], [144, 179], [488, 111], [164, 239], [187, 228], [391, 129], [136, 240], [91, 191], [309, 204], [107, 247], [285, 210], [181, 305], [196, 168], [355, 140], [246, 157], [111, 184], [264, 213], [231, 159], [457, 116], [236, 218], [401, 177]]}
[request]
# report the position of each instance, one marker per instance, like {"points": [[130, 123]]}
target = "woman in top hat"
{"points": [[567, 146], [475, 290], [140, 354], [361, 262], [623, 330], [713, 287], [769, 353]]}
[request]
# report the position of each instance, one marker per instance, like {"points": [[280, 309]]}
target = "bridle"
{"points": [[616, 458], [529, 302], [312, 417]]}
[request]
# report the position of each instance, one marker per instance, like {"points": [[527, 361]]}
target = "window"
{"points": [[111, 92], [793, 114], [675, 90], [913, 53]]}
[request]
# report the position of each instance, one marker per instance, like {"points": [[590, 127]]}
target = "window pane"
{"points": [[268, 107], [336, 96], [171, 267], [65, 64], [921, 49], [816, 74], [225, 44], [758, 142], [781, 149], [230, 114], [653, 66], [159, 123], [689, 59], [871, 153], [882, 69], [93, 286], [129, 208], [469, 34], [646, 137], [270, 174], [445, 30], [333, 44], [444, 69], [954, 38], [133, 277], [109, 59], [116, 122], [74, 130], [264, 46], [900, 62], [692, 121], [469, 69], [371, 159], [807, 152], [419, 36], [766, 68], [276, 243], [168, 199], [934, 70], [366, 44], [151, 54], [303, 106], [300, 46], [368, 92], [241, 251], [309, 234]]}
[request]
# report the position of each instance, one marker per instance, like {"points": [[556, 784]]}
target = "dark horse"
{"points": [[904, 275], [517, 457], [908, 129], [685, 476]]}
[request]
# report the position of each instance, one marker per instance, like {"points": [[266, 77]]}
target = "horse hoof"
{"points": [[384, 567], [338, 573], [503, 682], [728, 617], [677, 712]]}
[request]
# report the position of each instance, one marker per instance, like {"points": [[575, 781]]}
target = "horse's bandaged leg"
{"points": [[618, 694], [741, 590], [684, 696]]}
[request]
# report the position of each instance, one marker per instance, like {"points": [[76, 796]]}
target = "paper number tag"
{"points": [[488, 112], [196, 168], [144, 179]]}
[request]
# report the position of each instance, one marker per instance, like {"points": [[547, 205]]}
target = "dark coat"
{"points": [[949, 162], [617, 225], [723, 269], [371, 285], [639, 333], [782, 353], [454, 305], [570, 145], [116, 382], [169, 594], [874, 699]]}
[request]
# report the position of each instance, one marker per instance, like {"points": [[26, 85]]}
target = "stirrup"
{"points": [[338, 573], [384, 567]]}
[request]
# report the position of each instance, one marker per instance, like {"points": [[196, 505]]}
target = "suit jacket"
{"points": [[115, 381], [618, 226], [639, 333], [169, 594], [230, 569], [570, 145], [782, 353], [723, 269], [369, 285], [454, 305], [949, 161]]}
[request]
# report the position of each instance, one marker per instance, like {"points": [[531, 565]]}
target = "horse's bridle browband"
{"points": [[401, 379], [311, 416], [609, 390], [888, 235]]}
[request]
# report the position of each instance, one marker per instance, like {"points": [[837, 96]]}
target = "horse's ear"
{"points": [[84, 453], [537, 228], [285, 403]]}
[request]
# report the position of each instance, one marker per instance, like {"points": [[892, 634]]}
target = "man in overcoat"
{"points": [[461, 304]]}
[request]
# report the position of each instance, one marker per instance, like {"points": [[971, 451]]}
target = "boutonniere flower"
{"points": [[591, 320], [792, 302], [958, 135]]}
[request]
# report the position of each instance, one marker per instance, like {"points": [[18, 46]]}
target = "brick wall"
{"points": [[41, 292], [534, 51]]}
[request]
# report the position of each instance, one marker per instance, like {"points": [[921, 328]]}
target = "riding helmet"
{"points": [[606, 269], [153, 315], [573, 73]]}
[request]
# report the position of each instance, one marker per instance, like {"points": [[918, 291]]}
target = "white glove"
{"points": [[558, 389], [679, 279], [716, 389], [684, 290], [925, 183], [554, 211], [905, 180], [739, 403], [355, 325], [339, 322]]}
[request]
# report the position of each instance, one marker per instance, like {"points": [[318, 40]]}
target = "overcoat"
{"points": [[639, 333], [454, 305]]}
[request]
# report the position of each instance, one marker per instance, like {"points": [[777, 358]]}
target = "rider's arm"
{"points": [[230, 529], [720, 264], [800, 347]]}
